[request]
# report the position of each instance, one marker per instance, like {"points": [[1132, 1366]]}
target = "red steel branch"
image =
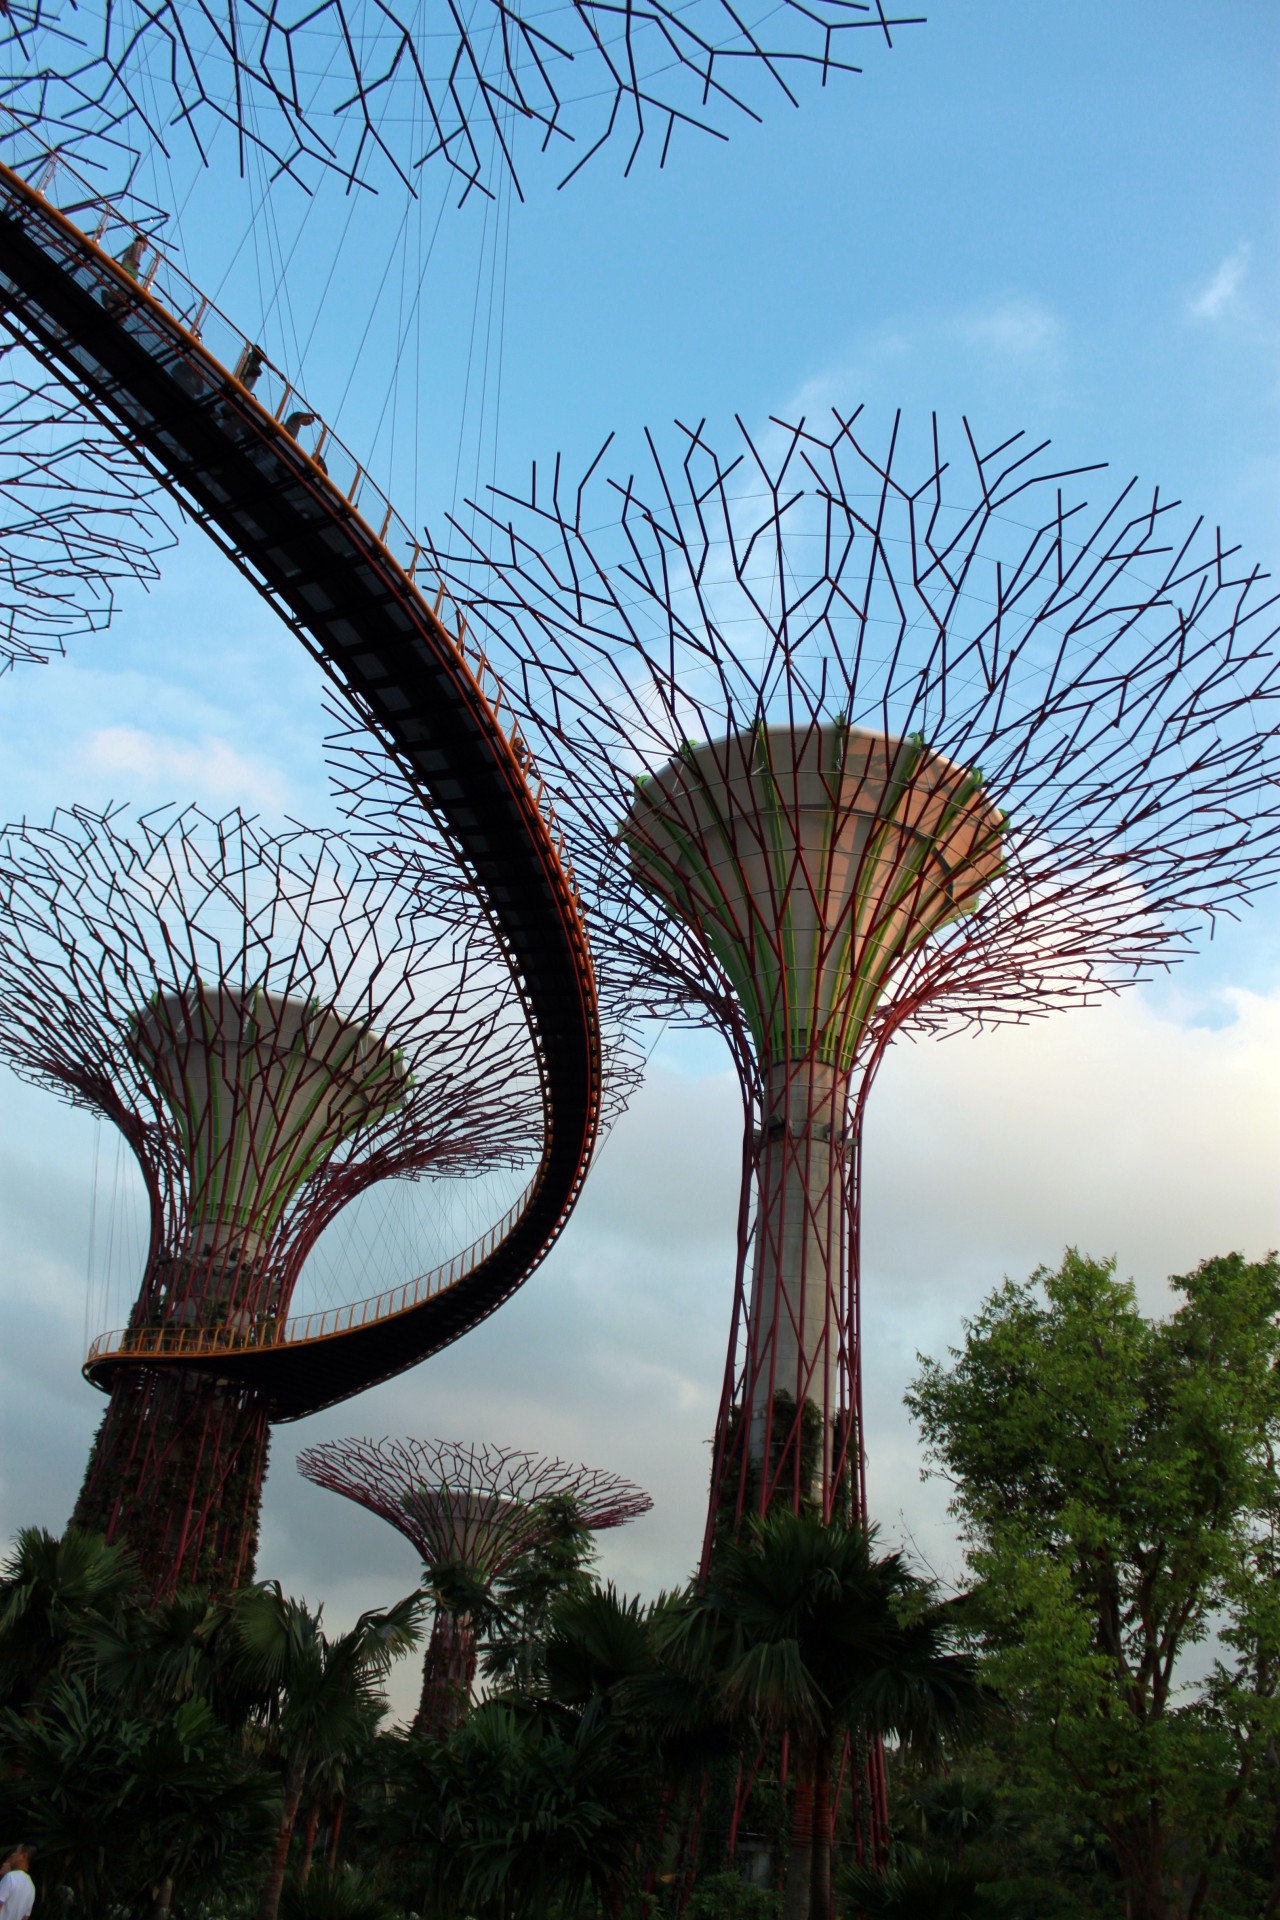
{"points": [[76, 519], [359, 87]]}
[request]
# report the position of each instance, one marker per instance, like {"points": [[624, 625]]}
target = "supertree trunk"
{"points": [[448, 1674], [176, 1471], [796, 1351]]}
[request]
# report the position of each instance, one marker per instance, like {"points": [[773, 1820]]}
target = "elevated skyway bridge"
{"points": [[250, 461]]}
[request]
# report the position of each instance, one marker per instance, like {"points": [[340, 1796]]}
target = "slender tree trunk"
{"points": [[820, 1898], [1140, 1853], [1273, 1899], [309, 1841], [1273, 1783], [294, 1780], [162, 1899], [336, 1832], [800, 1859]]}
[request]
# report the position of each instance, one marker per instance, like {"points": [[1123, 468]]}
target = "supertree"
{"points": [[274, 1027], [471, 1512], [854, 741], [352, 87], [76, 521]]}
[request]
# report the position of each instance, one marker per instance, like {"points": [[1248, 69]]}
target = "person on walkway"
{"points": [[292, 425], [249, 366], [131, 258], [17, 1889]]}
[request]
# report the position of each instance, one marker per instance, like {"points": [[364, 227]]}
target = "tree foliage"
{"points": [[119, 1804], [51, 1592], [1114, 1477], [805, 1631]]}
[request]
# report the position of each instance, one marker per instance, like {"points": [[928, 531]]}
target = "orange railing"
{"points": [[195, 1341]]}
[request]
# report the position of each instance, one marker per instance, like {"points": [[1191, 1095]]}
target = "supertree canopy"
{"points": [[274, 1027], [358, 86], [471, 1512], [76, 520], [854, 739]]}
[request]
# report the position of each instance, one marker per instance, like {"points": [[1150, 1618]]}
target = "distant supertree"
{"points": [[77, 519], [347, 85], [471, 1512], [855, 740], [274, 1027]]}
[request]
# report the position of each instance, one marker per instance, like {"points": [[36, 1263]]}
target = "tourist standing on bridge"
{"points": [[131, 258]]}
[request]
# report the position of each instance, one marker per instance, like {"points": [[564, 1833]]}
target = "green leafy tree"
{"points": [[1001, 1817], [809, 1633], [1115, 1482], [558, 1567], [727, 1896]]}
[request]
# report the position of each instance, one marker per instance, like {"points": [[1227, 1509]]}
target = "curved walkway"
{"points": [[225, 432]]}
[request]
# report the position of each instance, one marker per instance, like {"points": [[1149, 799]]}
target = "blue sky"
{"points": [[1058, 217]]}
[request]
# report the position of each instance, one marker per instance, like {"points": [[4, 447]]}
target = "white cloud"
{"points": [[972, 359], [1016, 326], [210, 769], [1220, 294]]}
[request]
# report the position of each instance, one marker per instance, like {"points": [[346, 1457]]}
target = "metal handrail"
{"points": [[227, 1338]]}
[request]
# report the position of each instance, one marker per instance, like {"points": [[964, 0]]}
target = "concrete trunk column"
{"points": [[797, 1286]]}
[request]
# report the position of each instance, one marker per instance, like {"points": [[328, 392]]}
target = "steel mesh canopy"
{"points": [[854, 736], [76, 519], [477, 1507], [273, 1026], [365, 87], [1097, 658]]}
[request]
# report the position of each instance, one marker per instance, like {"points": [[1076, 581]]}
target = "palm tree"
{"points": [[347, 1894], [535, 1811], [52, 1591], [598, 1651], [603, 1663], [916, 1884], [321, 1691], [182, 1648], [123, 1805], [809, 1634]]}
